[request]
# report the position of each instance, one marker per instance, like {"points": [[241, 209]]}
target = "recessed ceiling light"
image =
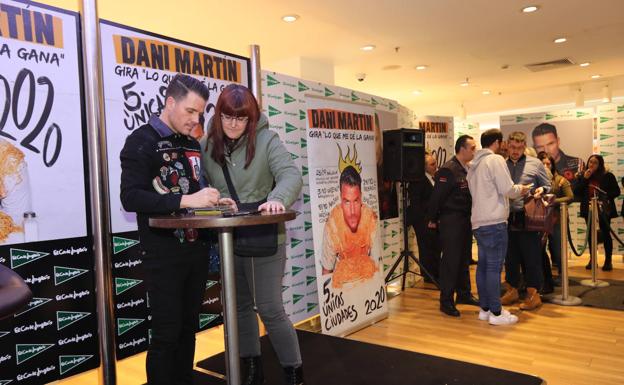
{"points": [[421, 67], [560, 40], [417, 92], [595, 76], [586, 64], [530, 9], [369, 47], [486, 92], [290, 18]]}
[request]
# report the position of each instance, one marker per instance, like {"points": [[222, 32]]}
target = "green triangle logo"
{"points": [[293, 156], [210, 283], [304, 170], [284, 288], [21, 257], [307, 225], [24, 352], [385, 245], [206, 318], [297, 297], [309, 253], [620, 108], [620, 162], [120, 244], [310, 279], [520, 119], [273, 111], [5, 382], [604, 153], [394, 233], [385, 224], [67, 363], [302, 87], [459, 133], [306, 198], [294, 242], [271, 81], [620, 126], [620, 231], [386, 267], [304, 143], [290, 128], [580, 114], [328, 92], [66, 318], [296, 270], [302, 115], [620, 144], [288, 98], [64, 274], [580, 231], [471, 126], [354, 97], [124, 284], [549, 116], [125, 324], [374, 102], [604, 119], [33, 304], [391, 106], [605, 136], [2, 334], [311, 306], [394, 254]]}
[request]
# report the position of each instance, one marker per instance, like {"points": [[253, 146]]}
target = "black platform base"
{"points": [[330, 360]]}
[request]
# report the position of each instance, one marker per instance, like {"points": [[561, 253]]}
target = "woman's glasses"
{"points": [[237, 119]]}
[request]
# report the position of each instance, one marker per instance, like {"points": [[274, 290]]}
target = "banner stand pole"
{"points": [[593, 251], [564, 298], [98, 181], [256, 74]]}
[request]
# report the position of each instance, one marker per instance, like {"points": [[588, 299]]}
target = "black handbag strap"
{"points": [[230, 185]]}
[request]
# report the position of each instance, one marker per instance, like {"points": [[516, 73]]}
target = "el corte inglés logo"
{"points": [[120, 244], [304, 170], [306, 198], [354, 97], [67, 363], [290, 128], [307, 225], [520, 119], [21, 257], [296, 270], [273, 111], [205, 319], [310, 279], [328, 92], [311, 306], [33, 304], [125, 324], [297, 298], [25, 352], [550, 116], [271, 81], [605, 136], [124, 284], [66, 318], [302, 115], [210, 284], [64, 274], [309, 253], [294, 242], [604, 119], [288, 98], [302, 87], [580, 114]]}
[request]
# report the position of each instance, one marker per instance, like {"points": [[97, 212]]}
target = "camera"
{"points": [[360, 77]]}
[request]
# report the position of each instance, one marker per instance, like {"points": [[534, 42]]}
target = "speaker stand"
{"points": [[406, 253]]}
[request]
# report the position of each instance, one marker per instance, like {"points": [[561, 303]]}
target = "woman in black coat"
{"points": [[595, 179]]}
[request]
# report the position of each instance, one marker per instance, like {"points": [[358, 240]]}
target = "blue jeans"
{"points": [[492, 245]]}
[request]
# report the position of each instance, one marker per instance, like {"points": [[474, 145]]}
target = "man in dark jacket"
{"points": [[449, 211], [160, 174]]}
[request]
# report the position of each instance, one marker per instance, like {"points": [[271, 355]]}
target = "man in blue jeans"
{"points": [[491, 188]]}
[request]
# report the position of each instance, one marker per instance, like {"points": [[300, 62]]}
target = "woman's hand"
{"points": [[272, 206], [588, 173], [228, 202]]}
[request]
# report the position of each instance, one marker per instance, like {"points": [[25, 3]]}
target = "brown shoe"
{"points": [[532, 300], [510, 296]]}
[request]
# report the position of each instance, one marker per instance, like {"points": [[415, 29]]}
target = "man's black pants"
{"points": [[176, 285], [524, 249], [428, 248], [456, 241]]}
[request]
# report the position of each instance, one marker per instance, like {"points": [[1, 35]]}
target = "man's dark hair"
{"points": [[543, 129], [182, 84], [461, 142], [490, 136], [350, 177]]}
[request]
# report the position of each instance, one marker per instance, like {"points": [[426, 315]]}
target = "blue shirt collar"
{"points": [[161, 128]]}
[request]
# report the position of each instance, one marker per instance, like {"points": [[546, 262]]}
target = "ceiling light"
{"points": [[290, 18], [486, 92], [595, 76], [369, 47], [560, 40], [586, 64], [417, 92], [465, 83], [530, 9], [421, 67]]}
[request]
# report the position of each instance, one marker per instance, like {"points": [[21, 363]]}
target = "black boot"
{"points": [[294, 376], [251, 371]]}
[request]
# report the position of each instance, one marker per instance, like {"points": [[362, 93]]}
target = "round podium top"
{"points": [[216, 221]]}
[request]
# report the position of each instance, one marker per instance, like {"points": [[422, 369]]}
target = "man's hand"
{"points": [[228, 202], [538, 192], [205, 197], [272, 206]]}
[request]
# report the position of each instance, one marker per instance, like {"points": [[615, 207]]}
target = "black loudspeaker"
{"points": [[404, 155]]}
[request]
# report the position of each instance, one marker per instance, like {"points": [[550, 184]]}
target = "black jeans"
{"points": [[176, 284], [456, 242], [428, 247], [524, 248], [604, 225]]}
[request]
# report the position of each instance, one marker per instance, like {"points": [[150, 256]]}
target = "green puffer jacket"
{"points": [[271, 162]]}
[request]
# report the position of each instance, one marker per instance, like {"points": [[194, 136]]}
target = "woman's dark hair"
{"points": [[235, 100], [543, 155], [601, 167]]}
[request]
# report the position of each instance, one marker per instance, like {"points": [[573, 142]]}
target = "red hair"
{"points": [[235, 100]]}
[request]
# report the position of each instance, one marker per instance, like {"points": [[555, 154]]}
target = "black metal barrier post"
{"points": [[593, 251], [564, 298]]}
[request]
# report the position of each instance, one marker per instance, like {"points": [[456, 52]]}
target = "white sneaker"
{"points": [[505, 318], [484, 315]]}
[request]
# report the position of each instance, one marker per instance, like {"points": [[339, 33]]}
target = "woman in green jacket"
{"points": [[262, 172]]}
